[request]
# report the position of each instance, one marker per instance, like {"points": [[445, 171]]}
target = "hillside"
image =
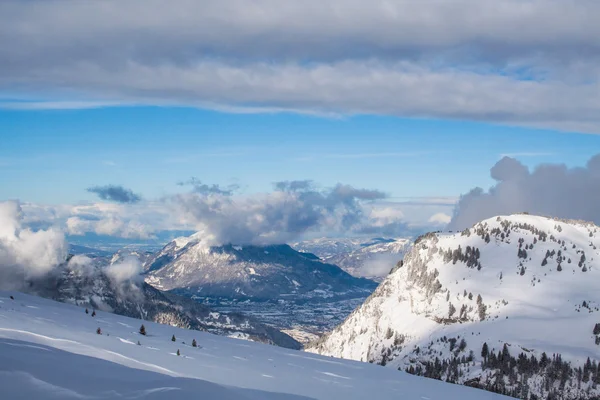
{"points": [[511, 305], [50, 350], [188, 266], [87, 283]]}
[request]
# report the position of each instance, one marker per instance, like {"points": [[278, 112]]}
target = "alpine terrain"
{"points": [[260, 273], [511, 305], [50, 350], [93, 283]]}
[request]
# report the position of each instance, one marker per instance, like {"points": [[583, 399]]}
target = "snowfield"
{"points": [[50, 350]]}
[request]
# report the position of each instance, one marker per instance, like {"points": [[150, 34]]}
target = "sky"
{"points": [[123, 108]]}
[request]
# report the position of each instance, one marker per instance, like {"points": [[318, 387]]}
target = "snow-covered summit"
{"points": [[532, 283]]}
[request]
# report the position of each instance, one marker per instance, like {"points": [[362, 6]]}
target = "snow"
{"points": [[53, 352], [537, 311]]}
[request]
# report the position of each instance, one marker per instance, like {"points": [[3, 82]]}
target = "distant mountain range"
{"points": [[368, 258], [260, 273], [511, 305]]}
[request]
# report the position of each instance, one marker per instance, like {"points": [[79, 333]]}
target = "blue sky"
{"points": [[52, 156], [106, 106]]}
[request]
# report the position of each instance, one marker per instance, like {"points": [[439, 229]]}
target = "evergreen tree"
{"points": [[485, 351], [597, 329], [173, 339], [451, 310], [143, 330]]}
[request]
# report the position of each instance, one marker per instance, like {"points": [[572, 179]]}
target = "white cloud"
{"points": [[550, 189], [81, 265], [128, 270], [24, 253], [381, 216], [440, 219]]}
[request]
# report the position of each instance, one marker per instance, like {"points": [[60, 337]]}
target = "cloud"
{"points": [[292, 186], [204, 189], [278, 217], [128, 270], [115, 193], [440, 219], [24, 253], [81, 265], [379, 265], [527, 154], [294, 209], [550, 189], [516, 62]]}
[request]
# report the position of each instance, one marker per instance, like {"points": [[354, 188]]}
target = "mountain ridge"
{"points": [[523, 285], [189, 266]]}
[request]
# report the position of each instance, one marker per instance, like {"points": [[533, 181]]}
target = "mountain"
{"points": [[261, 273], [511, 305], [90, 285], [51, 351], [373, 259], [329, 247]]}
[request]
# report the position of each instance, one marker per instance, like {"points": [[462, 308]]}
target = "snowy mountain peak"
{"points": [[530, 282], [249, 272]]}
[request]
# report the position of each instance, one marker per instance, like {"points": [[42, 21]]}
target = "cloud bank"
{"points": [[294, 209], [517, 62], [550, 189], [115, 193]]}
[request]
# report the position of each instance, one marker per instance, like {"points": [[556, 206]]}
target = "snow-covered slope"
{"points": [[521, 284], [51, 350], [188, 266], [89, 284], [372, 260]]}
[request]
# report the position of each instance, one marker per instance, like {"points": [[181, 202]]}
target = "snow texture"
{"points": [[526, 281], [50, 350]]}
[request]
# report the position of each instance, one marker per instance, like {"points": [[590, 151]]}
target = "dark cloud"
{"points": [[551, 190], [292, 186], [115, 193], [204, 189], [525, 62]]}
